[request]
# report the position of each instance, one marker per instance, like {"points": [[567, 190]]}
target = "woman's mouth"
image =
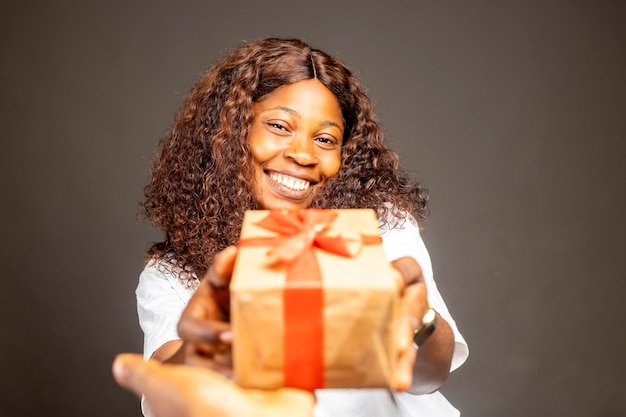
{"points": [[284, 189], [291, 183]]}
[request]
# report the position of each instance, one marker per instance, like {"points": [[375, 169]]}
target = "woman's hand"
{"points": [[186, 391], [425, 370], [413, 306], [204, 324]]}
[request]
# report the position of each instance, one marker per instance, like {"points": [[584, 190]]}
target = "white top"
{"points": [[161, 298]]}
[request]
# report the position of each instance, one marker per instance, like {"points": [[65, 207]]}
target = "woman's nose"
{"points": [[302, 151]]}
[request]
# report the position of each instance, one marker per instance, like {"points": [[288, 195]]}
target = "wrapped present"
{"points": [[313, 301]]}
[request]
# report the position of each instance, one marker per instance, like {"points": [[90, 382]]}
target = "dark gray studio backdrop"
{"points": [[512, 113]]}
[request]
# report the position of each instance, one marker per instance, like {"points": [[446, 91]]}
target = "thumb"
{"points": [[131, 372], [223, 266]]}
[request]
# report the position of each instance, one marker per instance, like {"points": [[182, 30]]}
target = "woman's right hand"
{"points": [[204, 324]]}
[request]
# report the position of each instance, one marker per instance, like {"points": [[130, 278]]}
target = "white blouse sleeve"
{"points": [[405, 240], [161, 299]]}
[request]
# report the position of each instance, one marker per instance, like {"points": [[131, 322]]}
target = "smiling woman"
{"points": [[279, 124], [204, 175]]}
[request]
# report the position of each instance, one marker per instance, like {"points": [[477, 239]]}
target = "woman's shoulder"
{"points": [[166, 268], [396, 219]]}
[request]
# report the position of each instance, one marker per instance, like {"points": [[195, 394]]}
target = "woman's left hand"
{"points": [[413, 306], [425, 370]]}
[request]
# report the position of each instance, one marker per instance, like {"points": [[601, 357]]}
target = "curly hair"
{"points": [[201, 181]]}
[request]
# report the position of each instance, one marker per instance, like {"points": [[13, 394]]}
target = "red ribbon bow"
{"points": [[304, 229]]}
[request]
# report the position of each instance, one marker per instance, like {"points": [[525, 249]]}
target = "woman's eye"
{"points": [[277, 126], [326, 141]]}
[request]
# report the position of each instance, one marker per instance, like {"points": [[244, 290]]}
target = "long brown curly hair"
{"points": [[202, 178]]}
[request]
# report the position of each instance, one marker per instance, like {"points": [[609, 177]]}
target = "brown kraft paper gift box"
{"points": [[313, 301]]}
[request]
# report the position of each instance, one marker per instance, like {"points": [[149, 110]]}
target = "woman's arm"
{"points": [[170, 352], [207, 336], [432, 364]]}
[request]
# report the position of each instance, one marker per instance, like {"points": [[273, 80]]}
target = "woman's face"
{"points": [[295, 140]]}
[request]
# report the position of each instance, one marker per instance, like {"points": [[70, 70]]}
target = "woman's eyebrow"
{"points": [[283, 108], [327, 123], [324, 123]]}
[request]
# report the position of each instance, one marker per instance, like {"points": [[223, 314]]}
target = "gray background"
{"points": [[511, 113]]}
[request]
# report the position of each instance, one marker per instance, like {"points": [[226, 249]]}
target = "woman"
{"points": [[278, 124]]}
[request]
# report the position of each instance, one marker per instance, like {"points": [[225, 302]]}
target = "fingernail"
{"points": [[119, 370], [226, 337]]}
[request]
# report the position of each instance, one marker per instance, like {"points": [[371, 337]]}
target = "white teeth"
{"points": [[290, 182]]}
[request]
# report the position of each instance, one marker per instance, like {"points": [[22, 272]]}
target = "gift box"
{"points": [[313, 301]]}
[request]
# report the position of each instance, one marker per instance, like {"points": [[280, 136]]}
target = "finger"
{"points": [[131, 372], [404, 369], [207, 349], [222, 269], [214, 357], [409, 270], [202, 317], [413, 306], [414, 303], [218, 279], [220, 364], [200, 330], [201, 305]]}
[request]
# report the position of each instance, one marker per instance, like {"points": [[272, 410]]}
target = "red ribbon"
{"points": [[300, 231]]}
